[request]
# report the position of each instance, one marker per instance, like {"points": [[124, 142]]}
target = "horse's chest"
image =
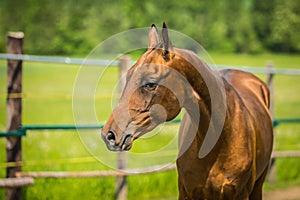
{"points": [[205, 184]]}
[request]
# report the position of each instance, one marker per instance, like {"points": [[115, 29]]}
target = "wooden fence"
{"points": [[16, 179]]}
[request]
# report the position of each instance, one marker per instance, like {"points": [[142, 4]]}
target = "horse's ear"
{"points": [[167, 45], [153, 38]]}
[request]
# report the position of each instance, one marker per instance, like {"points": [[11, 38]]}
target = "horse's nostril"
{"points": [[127, 138], [111, 136]]}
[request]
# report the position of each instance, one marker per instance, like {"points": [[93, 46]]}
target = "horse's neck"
{"points": [[199, 75], [204, 81], [193, 129], [207, 88]]}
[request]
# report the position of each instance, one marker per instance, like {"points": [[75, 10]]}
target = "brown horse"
{"points": [[226, 135]]}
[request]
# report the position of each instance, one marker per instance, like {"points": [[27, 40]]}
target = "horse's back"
{"points": [[247, 86]]}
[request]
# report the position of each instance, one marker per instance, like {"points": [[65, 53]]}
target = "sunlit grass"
{"points": [[48, 90]]}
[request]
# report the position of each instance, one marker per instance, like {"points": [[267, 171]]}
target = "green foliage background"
{"points": [[77, 26]]}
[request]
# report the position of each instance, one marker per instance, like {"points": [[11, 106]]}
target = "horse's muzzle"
{"points": [[110, 139]]}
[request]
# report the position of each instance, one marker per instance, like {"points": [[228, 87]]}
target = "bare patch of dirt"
{"points": [[292, 193]]}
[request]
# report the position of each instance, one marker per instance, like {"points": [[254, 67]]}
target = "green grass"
{"points": [[48, 92]]}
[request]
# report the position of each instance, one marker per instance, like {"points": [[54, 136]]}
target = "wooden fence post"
{"points": [[270, 83], [121, 181], [14, 109]]}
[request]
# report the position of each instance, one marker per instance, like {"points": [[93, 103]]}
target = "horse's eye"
{"points": [[150, 86]]}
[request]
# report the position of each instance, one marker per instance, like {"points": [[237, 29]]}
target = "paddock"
{"points": [[21, 179]]}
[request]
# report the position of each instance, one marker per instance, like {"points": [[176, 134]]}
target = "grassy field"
{"points": [[48, 90]]}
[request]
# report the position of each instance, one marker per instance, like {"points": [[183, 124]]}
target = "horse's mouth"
{"points": [[124, 147], [127, 143]]}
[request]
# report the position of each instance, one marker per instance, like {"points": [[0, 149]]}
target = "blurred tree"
{"points": [[261, 13], [285, 26], [70, 34], [240, 27], [76, 26], [277, 24]]}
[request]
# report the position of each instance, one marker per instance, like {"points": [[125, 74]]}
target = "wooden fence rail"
{"points": [[91, 174], [13, 183]]}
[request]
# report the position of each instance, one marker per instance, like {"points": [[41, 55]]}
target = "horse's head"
{"points": [[150, 96]]}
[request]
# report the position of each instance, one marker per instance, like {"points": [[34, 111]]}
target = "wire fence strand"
{"points": [[56, 96], [105, 62]]}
